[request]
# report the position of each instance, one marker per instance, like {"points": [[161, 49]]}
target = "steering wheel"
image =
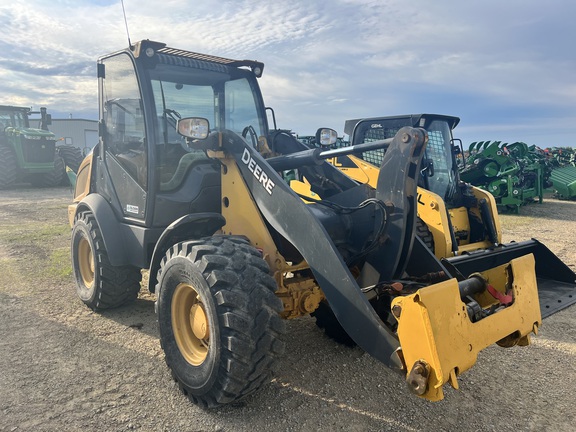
{"points": [[253, 135]]}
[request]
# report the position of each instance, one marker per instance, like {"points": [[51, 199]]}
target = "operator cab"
{"points": [[153, 178], [439, 169], [469, 217], [149, 170]]}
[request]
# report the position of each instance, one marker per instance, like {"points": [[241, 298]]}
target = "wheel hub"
{"points": [[190, 324], [198, 321], [86, 262]]}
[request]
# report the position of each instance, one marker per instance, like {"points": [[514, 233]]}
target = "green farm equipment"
{"points": [[29, 154], [563, 176], [516, 174], [564, 181], [562, 156]]}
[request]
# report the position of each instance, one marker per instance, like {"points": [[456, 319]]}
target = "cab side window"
{"points": [[123, 114]]}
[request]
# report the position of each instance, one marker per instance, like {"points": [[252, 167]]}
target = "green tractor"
{"points": [[29, 154]]}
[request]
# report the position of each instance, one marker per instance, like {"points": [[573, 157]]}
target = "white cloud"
{"points": [[326, 61]]}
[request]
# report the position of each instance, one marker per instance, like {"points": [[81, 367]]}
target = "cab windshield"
{"points": [[228, 102], [228, 99], [13, 118]]}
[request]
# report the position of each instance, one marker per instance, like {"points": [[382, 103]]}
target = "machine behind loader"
{"points": [[457, 221], [30, 153], [189, 185]]}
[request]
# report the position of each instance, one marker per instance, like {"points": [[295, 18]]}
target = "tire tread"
{"points": [[251, 328]]}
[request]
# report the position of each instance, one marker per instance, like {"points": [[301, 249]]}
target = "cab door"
{"points": [[125, 154]]}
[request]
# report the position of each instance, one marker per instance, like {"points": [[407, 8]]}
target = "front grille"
{"points": [[38, 151]]}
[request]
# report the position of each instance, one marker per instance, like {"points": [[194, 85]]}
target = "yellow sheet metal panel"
{"points": [[432, 211], [434, 328], [363, 172], [243, 217], [303, 189], [82, 187], [460, 224], [72, 214], [83, 177]]}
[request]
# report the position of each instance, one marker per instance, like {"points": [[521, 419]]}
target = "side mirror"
{"points": [[193, 127], [325, 137], [459, 151]]}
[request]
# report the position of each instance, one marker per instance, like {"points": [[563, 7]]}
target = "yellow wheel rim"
{"points": [[190, 324], [85, 262]]}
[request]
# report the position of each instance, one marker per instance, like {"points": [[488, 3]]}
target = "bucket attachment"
{"points": [[556, 281]]}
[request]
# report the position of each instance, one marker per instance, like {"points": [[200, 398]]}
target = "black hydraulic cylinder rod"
{"points": [[296, 160], [316, 156], [473, 285]]}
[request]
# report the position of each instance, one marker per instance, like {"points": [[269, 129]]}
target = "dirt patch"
{"points": [[65, 368]]}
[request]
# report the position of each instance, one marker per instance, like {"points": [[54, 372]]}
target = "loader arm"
{"points": [[397, 183], [287, 214]]}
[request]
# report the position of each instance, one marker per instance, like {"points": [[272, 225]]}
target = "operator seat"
{"points": [[185, 162], [284, 143]]}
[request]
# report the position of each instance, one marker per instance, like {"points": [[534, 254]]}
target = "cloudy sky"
{"points": [[506, 68]]}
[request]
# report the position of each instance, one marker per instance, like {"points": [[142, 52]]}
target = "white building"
{"points": [[79, 133]]}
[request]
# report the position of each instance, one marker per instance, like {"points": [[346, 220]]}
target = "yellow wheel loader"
{"points": [[189, 185], [456, 220]]}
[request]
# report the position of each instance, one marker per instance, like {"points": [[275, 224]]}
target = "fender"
{"points": [[109, 227], [188, 227]]}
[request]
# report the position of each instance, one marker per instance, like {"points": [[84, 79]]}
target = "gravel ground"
{"points": [[65, 368]]}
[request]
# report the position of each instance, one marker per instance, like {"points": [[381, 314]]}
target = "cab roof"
{"points": [[414, 120]]}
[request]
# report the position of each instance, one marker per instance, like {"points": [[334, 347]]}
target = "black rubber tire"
{"points": [[99, 284], [326, 320], [424, 233], [244, 340], [71, 155], [8, 172], [53, 178]]}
